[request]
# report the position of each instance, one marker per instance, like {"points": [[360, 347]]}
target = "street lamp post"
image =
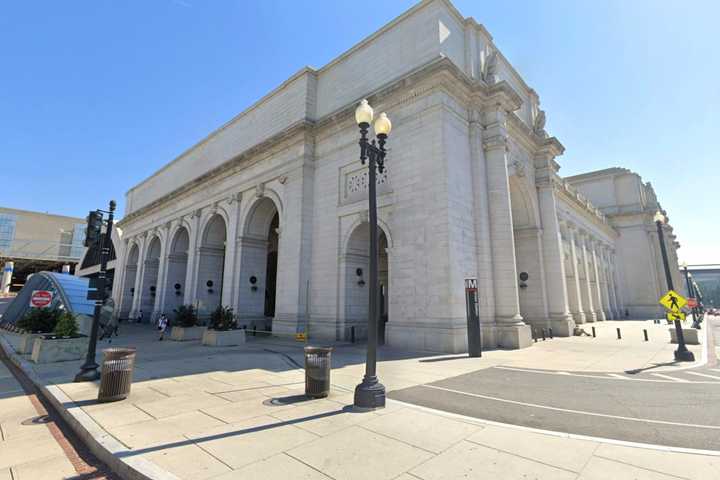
{"points": [[690, 292], [370, 394], [89, 370], [682, 354]]}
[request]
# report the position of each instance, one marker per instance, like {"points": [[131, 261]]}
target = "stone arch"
{"points": [[211, 263], [259, 243], [149, 284], [528, 251], [354, 275], [177, 261], [128, 288]]}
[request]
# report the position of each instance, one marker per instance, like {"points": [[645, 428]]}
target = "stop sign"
{"points": [[692, 302], [40, 298]]}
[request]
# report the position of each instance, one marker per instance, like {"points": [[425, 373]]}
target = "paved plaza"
{"points": [[197, 412]]}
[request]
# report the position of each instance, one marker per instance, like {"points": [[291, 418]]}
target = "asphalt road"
{"points": [[678, 409]]}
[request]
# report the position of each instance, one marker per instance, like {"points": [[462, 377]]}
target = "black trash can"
{"points": [[116, 374], [317, 371]]}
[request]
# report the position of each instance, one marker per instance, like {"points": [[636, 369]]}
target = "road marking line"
{"points": [[554, 433], [617, 375], [715, 369], [568, 410], [668, 377], [603, 376], [698, 374]]}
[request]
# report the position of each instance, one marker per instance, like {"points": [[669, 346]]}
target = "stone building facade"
{"points": [[268, 214]]}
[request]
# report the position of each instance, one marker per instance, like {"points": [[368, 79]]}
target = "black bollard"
{"points": [[543, 334], [551, 335], [534, 334], [352, 334], [618, 333], [646, 335], [593, 330]]}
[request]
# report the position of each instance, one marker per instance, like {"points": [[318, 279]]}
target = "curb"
{"points": [[103, 445]]}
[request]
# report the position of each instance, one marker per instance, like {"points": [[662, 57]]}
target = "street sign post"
{"points": [[672, 316], [41, 298], [473, 321]]}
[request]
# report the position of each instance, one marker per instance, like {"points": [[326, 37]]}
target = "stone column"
{"points": [[193, 257], [612, 312], [614, 288], [578, 313], [139, 274], [586, 288], [552, 249], [600, 310], [512, 332], [162, 271], [483, 250]]}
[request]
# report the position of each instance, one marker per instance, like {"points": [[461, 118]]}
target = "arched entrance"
{"points": [[150, 278], [176, 270], [211, 261], [528, 252], [355, 269], [259, 245], [128, 288]]}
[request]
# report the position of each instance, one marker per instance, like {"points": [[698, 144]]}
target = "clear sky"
{"points": [[97, 95]]}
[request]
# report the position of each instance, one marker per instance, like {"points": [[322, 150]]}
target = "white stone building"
{"points": [[268, 214]]}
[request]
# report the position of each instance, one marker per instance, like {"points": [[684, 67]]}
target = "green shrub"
{"points": [[66, 326], [185, 316], [40, 320], [222, 319]]}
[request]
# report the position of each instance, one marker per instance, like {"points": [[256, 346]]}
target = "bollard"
{"points": [[352, 334], [252, 327], [646, 335], [593, 330], [543, 334], [551, 335], [618, 333]]}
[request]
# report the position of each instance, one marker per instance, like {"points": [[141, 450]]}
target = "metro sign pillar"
{"points": [[473, 319]]}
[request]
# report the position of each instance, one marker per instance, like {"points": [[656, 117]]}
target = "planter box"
{"points": [[47, 350], [26, 343], [184, 334], [225, 338], [690, 334]]}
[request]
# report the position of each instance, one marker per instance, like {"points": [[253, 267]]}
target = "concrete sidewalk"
{"points": [[196, 412]]}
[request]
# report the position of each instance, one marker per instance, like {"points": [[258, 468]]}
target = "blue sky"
{"points": [[97, 95]]}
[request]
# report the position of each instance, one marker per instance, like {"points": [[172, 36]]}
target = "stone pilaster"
{"points": [[161, 286], [229, 281]]}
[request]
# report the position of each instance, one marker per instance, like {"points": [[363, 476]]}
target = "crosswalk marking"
{"points": [[616, 375], [703, 375], [668, 377]]}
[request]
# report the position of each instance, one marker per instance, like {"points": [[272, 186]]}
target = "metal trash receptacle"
{"points": [[116, 374], [317, 371]]}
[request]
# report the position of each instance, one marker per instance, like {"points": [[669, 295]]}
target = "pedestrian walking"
{"points": [[162, 326]]}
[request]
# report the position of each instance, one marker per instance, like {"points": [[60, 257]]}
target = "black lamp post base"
{"points": [[684, 355], [370, 394], [87, 374]]}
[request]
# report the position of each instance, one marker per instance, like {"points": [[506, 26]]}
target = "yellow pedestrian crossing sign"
{"points": [[672, 316], [673, 301]]}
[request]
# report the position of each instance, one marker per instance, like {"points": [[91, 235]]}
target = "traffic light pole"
{"points": [[89, 370]]}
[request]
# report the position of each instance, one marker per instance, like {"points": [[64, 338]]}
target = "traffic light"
{"points": [[94, 227]]}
